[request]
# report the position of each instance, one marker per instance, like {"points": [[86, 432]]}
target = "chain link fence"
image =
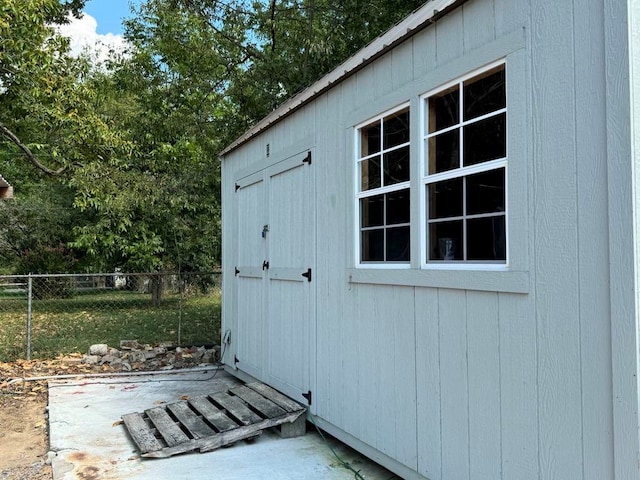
{"points": [[43, 316]]}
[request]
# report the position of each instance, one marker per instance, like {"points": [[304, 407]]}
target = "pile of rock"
{"points": [[166, 356]]}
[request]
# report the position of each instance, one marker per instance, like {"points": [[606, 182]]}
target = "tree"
{"points": [[279, 47], [44, 117], [160, 209], [48, 129], [136, 144], [199, 73]]}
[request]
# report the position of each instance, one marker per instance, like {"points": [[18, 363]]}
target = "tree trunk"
{"points": [[156, 290]]}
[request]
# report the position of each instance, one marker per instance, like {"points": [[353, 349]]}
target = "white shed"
{"points": [[437, 243], [6, 190]]}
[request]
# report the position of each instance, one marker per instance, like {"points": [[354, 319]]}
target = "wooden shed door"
{"points": [[251, 218], [291, 247], [275, 304]]}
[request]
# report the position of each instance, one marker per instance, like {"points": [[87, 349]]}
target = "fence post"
{"points": [[181, 290], [29, 296]]}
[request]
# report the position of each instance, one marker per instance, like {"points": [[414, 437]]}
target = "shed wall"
{"points": [[479, 379]]}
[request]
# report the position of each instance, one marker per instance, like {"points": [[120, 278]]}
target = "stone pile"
{"points": [[134, 356]]}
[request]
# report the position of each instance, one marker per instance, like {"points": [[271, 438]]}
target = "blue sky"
{"points": [[100, 29], [109, 14]]}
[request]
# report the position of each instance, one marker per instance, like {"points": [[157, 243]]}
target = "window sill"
{"points": [[484, 280]]}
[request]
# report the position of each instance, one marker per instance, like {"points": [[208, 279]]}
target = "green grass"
{"points": [[62, 326]]}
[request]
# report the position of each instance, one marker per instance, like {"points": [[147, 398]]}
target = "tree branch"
{"points": [[273, 25], [29, 154]]}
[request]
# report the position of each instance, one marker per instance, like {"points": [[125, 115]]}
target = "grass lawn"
{"points": [[61, 326]]}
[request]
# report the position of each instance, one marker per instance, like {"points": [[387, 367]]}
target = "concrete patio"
{"points": [[90, 442]]}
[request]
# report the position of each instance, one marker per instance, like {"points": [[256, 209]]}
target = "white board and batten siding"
{"points": [[528, 373]]}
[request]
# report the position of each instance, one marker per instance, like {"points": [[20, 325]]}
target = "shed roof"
{"points": [[6, 190], [417, 21]]}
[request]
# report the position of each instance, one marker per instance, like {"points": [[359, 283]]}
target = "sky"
{"points": [[100, 28]]}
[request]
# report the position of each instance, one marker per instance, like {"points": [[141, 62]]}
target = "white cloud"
{"points": [[85, 38]]}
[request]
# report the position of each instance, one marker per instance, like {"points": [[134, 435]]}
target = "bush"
{"points": [[49, 260]]}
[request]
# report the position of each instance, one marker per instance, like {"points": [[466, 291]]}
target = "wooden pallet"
{"points": [[208, 422]]}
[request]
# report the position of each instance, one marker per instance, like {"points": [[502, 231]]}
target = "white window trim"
{"points": [[514, 277], [426, 179], [375, 191]]}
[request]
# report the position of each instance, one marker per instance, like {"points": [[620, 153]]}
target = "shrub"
{"points": [[45, 260]]}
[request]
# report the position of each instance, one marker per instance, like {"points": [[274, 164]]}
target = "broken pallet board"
{"points": [[212, 421]]}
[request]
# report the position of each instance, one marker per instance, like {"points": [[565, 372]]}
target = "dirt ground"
{"points": [[24, 439]]}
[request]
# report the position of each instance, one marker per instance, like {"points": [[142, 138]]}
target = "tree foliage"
{"points": [[45, 104], [135, 144], [47, 122]]}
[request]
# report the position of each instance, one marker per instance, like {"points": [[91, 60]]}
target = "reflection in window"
{"points": [[485, 140], [484, 93], [370, 139], [444, 152], [444, 109], [466, 158], [384, 221], [383, 194], [396, 166]]}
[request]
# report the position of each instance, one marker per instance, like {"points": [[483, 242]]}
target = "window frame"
{"points": [[514, 277], [382, 190], [461, 172]]}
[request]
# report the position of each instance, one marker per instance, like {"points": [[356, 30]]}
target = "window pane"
{"points": [[370, 174], [373, 246], [396, 129], [370, 139], [485, 93], [485, 140], [444, 109], [485, 192], [444, 152], [486, 239], [398, 207], [372, 211], [445, 199], [445, 241], [398, 244], [396, 166]]}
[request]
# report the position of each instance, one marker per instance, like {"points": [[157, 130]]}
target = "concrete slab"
{"points": [[90, 443]]}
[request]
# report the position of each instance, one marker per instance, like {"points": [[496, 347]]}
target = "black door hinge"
{"points": [[307, 159], [237, 271], [307, 275], [235, 360], [237, 187], [265, 265], [308, 396]]}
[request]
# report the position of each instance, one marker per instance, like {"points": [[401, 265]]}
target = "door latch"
{"points": [[265, 265], [265, 230]]}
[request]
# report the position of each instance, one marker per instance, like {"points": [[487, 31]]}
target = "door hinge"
{"points": [[307, 159], [235, 360], [308, 396], [237, 187], [237, 271], [307, 275], [265, 265]]}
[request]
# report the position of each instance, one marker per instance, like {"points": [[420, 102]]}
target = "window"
{"points": [[383, 164], [465, 145]]}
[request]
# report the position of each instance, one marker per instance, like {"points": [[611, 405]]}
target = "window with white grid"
{"points": [[383, 203], [465, 169]]}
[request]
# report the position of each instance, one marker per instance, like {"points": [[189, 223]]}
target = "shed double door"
{"points": [[275, 304]]}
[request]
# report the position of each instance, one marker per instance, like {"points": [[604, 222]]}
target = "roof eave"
{"points": [[426, 15], [6, 190]]}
